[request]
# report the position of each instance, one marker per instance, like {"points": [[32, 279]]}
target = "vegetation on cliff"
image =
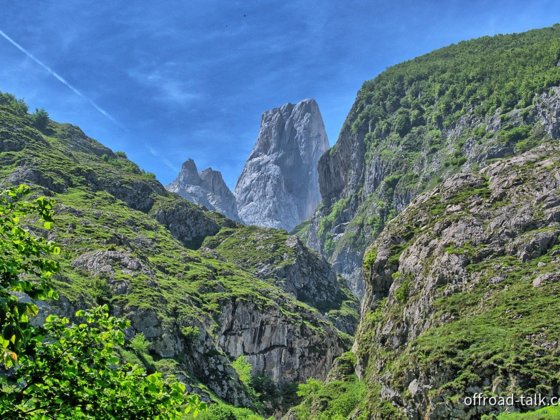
{"points": [[461, 295], [421, 121], [54, 368]]}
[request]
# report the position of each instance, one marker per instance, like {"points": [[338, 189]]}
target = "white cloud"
{"points": [[170, 88], [165, 161]]}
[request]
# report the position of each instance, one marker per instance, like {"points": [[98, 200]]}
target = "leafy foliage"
{"points": [[63, 369], [243, 369], [485, 74], [17, 105], [369, 259], [546, 413], [330, 400], [25, 267], [219, 411], [339, 397], [40, 119], [75, 372]]}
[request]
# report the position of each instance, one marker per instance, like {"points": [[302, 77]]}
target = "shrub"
{"points": [[40, 119]]}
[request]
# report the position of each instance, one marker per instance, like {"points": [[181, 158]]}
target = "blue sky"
{"points": [[169, 80]]}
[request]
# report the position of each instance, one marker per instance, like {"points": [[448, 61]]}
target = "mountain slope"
{"points": [[461, 298], [462, 292], [128, 242], [421, 121]]}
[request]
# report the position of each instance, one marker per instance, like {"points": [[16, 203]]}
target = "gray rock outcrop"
{"points": [[279, 184], [284, 350], [285, 262], [206, 188]]}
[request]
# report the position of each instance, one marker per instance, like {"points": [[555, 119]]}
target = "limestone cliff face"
{"points": [[279, 184], [206, 188], [284, 350], [460, 292], [281, 259]]}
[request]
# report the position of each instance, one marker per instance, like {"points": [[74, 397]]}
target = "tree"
{"points": [[63, 369], [75, 372], [40, 119], [17, 105], [26, 267]]}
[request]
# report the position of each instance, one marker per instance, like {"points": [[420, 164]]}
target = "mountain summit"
{"points": [[279, 184], [206, 188]]}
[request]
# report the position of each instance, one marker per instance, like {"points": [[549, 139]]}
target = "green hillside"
{"points": [[459, 288], [129, 243]]}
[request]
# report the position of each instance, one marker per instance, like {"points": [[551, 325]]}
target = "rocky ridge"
{"points": [[206, 189]]}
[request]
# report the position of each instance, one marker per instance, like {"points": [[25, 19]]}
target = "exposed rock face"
{"points": [[341, 172], [291, 266], [279, 185], [206, 188], [185, 221], [283, 350], [465, 269], [308, 277], [549, 111]]}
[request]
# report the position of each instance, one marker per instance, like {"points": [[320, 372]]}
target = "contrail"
{"points": [[165, 161], [170, 165], [59, 78]]}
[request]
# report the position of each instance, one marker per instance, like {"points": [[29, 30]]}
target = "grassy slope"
{"points": [[260, 250], [547, 413]]}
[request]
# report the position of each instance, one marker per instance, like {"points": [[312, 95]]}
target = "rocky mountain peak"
{"points": [[279, 184], [206, 188], [189, 173], [213, 180]]}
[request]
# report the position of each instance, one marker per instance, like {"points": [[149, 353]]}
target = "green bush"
{"points": [[17, 105], [40, 119], [401, 294], [369, 259]]}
